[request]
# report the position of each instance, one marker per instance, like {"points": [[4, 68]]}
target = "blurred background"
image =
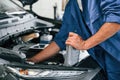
{"points": [[46, 8]]}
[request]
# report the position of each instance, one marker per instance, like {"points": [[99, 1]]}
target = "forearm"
{"points": [[49, 51], [105, 32]]}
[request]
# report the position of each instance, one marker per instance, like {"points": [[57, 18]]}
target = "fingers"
{"points": [[34, 60], [71, 38], [71, 34], [75, 41]]}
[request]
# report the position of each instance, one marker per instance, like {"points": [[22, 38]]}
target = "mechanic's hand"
{"points": [[75, 41], [31, 60]]}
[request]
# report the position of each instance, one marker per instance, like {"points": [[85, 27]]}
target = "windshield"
{"points": [[8, 6]]}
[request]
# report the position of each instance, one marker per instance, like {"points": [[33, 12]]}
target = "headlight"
{"points": [[43, 73]]}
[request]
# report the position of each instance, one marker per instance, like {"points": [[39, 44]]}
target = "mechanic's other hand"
{"points": [[34, 60], [75, 41]]}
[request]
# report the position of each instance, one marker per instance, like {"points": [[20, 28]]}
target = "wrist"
{"points": [[85, 45]]}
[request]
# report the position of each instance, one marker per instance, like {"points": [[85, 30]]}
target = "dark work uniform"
{"points": [[86, 23]]}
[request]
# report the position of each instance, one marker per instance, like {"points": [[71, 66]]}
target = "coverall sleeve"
{"points": [[111, 13], [110, 10], [72, 20], [66, 27]]}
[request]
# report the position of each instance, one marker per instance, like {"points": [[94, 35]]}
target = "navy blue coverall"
{"points": [[86, 23]]}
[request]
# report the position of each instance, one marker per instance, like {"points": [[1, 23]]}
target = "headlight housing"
{"points": [[45, 73]]}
